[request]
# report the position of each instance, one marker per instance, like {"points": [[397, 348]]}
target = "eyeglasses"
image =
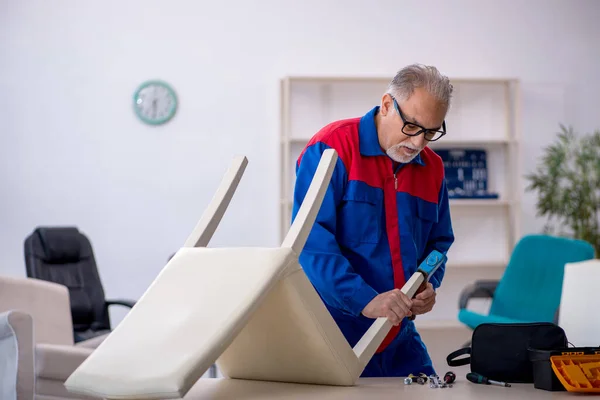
{"points": [[411, 129]]}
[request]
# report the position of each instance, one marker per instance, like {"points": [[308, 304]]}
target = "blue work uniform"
{"points": [[377, 222]]}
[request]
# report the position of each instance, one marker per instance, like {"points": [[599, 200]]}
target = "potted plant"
{"points": [[567, 182]]}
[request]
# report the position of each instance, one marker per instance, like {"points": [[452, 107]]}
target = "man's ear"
{"points": [[386, 104]]}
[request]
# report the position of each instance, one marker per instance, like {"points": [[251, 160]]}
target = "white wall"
{"points": [[72, 152]]}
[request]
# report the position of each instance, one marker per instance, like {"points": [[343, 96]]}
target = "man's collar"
{"points": [[368, 139]]}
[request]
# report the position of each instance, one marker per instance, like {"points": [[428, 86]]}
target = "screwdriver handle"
{"points": [[476, 378]]}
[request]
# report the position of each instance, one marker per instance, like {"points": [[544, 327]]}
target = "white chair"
{"points": [[251, 310], [580, 321]]}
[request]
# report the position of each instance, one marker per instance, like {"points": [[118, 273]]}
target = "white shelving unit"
{"points": [[483, 115]]}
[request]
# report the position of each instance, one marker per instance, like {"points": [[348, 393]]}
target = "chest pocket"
{"points": [[360, 216], [427, 215]]}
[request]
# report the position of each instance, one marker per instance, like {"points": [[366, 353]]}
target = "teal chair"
{"points": [[531, 286]]}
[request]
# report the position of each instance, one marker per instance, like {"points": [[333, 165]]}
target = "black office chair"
{"points": [[64, 255]]}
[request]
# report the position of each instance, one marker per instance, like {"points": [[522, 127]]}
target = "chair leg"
{"points": [[208, 223], [305, 218]]}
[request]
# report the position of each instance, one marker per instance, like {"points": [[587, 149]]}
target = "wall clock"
{"points": [[155, 102]]}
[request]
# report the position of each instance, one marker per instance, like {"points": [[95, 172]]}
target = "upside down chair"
{"points": [[530, 288], [252, 310]]}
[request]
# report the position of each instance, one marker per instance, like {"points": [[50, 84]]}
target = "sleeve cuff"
{"points": [[360, 298], [436, 278]]}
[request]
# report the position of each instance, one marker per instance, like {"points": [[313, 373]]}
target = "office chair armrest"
{"points": [[478, 289], [120, 302]]}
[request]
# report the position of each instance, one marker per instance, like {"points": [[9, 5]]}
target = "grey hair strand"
{"points": [[413, 76]]}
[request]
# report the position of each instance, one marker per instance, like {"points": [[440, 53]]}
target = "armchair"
{"points": [[36, 340], [64, 255], [530, 288]]}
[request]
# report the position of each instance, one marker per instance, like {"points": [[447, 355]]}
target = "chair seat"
{"points": [[190, 313], [472, 319]]}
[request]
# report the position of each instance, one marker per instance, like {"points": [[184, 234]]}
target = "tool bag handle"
{"points": [[453, 362]]}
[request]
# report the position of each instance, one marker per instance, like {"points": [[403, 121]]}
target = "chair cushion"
{"points": [[189, 315], [472, 319]]}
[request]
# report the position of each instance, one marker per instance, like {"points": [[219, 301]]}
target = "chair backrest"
{"points": [[530, 288], [580, 285], [64, 255], [46, 302]]}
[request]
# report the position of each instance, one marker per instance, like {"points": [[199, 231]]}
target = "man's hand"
{"points": [[394, 305], [424, 300]]}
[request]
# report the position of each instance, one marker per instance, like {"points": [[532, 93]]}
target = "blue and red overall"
{"points": [[375, 226]]}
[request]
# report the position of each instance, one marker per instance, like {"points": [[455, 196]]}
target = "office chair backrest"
{"points": [[64, 255], [531, 286]]}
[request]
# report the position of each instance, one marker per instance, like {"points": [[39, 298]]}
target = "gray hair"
{"points": [[413, 76]]}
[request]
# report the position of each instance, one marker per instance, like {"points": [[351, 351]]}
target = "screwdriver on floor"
{"points": [[476, 378]]}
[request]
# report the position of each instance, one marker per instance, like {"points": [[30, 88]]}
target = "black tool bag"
{"points": [[500, 351]]}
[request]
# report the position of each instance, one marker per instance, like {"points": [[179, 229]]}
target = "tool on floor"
{"points": [[408, 381], [420, 379], [450, 377], [476, 378], [433, 382]]}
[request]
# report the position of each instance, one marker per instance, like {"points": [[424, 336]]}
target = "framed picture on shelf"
{"points": [[466, 173]]}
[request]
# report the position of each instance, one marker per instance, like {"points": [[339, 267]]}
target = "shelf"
{"points": [[476, 264], [387, 78], [453, 203], [338, 79], [470, 142], [421, 323], [479, 203], [441, 143]]}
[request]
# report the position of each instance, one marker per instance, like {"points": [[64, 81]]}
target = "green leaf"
{"points": [[567, 183]]}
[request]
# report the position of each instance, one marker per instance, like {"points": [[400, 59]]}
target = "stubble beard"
{"points": [[397, 153]]}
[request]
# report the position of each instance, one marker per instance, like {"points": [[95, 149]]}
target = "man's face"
{"points": [[421, 110]]}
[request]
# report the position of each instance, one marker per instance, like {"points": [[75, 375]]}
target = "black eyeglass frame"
{"points": [[421, 129]]}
